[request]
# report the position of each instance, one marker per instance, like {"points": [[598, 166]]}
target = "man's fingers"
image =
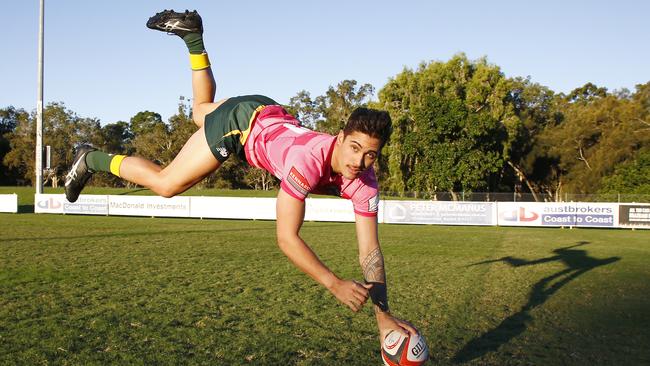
{"points": [[353, 306], [408, 327], [360, 289], [360, 298]]}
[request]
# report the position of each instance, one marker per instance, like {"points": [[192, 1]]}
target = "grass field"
{"points": [[83, 290]]}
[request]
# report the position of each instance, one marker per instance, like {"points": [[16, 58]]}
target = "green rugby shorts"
{"points": [[228, 126]]}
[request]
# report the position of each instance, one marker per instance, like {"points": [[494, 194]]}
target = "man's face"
{"points": [[358, 152]]}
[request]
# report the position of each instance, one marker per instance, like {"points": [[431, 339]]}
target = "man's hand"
{"points": [[387, 322], [351, 293]]}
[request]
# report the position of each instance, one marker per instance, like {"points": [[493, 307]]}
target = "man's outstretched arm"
{"points": [[374, 272], [290, 214]]}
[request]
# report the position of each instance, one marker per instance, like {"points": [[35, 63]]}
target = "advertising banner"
{"points": [[634, 216], [87, 204], [9, 203], [581, 214], [329, 209], [233, 208], [441, 213], [153, 206], [525, 214], [596, 214], [49, 203]]}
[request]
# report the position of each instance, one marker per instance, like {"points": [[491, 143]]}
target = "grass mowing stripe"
{"points": [[124, 290]]}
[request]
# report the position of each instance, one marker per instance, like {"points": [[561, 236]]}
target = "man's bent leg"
{"points": [[203, 91], [193, 163], [189, 27]]}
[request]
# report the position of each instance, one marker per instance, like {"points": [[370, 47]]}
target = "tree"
{"points": [[116, 138], [10, 118], [450, 126], [631, 177], [62, 129], [329, 113], [260, 179], [535, 107], [593, 137], [338, 103], [586, 93], [152, 138], [144, 122], [305, 109]]}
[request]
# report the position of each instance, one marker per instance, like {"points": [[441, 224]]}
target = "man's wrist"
{"points": [[381, 314], [330, 281]]}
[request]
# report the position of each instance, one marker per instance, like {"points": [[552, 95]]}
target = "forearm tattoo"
{"points": [[373, 272]]}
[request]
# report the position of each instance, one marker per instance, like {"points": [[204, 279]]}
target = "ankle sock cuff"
{"points": [[199, 61], [116, 162]]}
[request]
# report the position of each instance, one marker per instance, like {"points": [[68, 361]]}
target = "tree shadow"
{"points": [[577, 263]]}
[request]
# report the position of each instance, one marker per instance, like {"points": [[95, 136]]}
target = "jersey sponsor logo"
{"points": [[373, 204], [298, 181]]}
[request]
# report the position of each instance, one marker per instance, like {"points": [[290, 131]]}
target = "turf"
{"points": [[82, 290]]}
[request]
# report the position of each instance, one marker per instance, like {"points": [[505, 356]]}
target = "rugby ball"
{"points": [[399, 350]]}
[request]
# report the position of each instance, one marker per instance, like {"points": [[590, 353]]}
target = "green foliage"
{"points": [[338, 103], [305, 109], [631, 177], [450, 126], [449, 149], [10, 118], [593, 137], [586, 93], [329, 113], [62, 128], [144, 122]]}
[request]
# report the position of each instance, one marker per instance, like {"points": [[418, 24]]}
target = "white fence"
{"points": [[9, 203], [540, 214]]}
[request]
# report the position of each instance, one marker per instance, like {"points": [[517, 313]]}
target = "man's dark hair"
{"points": [[372, 122]]}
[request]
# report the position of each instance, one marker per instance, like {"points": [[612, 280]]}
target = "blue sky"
{"points": [[102, 62]]}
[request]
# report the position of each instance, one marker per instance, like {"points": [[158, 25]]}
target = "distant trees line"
{"points": [[459, 125]]}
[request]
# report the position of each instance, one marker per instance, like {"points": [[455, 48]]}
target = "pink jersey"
{"points": [[301, 159]]}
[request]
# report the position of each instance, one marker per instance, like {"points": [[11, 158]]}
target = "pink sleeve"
{"points": [[300, 177], [366, 198]]}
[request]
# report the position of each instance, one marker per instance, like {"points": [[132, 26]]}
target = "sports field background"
{"points": [[123, 290]]}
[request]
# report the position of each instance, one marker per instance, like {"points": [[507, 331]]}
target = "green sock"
{"points": [[194, 42], [99, 161]]}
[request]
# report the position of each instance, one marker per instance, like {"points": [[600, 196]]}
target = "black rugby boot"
{"points": [[179, 24], [79, 173]]}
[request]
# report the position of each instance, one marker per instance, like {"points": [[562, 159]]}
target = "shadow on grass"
{"points": [[25, 209], [133, 234], [146, 233], [577, 263]]}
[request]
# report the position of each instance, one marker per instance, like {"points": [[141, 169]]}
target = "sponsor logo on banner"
{"points": [[520, 215], [396, 211], [298, 181], [48, 203], [149, 206], [329, 209], [557, 214], [87, 205], [435, 212], [579, 214], [637, 216]]}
